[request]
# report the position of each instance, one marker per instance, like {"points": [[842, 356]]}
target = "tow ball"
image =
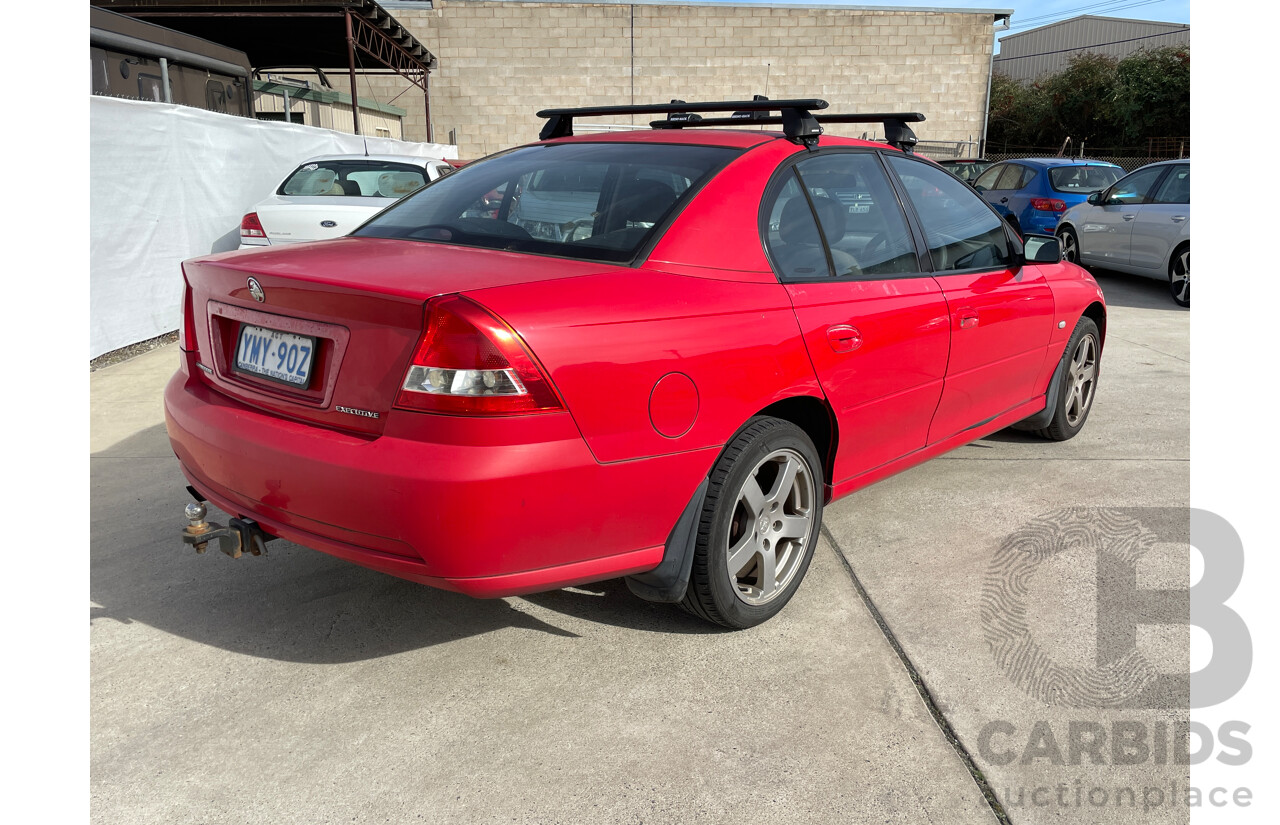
{"points": [[239, 536]]}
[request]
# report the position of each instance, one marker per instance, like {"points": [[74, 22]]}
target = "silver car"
{"points": [[1141, 225]]}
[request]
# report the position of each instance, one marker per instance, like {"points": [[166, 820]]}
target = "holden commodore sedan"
{"points": [[648, 354], [328, 196]]}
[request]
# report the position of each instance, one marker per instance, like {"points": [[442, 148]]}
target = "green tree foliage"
{"points": [[1097, 100]]}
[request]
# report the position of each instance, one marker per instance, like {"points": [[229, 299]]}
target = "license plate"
{"points": [[279, 356]]}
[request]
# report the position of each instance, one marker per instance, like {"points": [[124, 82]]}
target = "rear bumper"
{"points": [[483, 506]]}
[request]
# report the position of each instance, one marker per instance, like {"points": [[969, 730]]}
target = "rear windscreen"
{"points": [[1083, 179], [590, 201], [354, 178]]}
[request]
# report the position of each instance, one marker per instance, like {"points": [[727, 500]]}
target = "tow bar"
{"points": [[240, 534]]}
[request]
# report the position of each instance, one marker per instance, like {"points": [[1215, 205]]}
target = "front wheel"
{"points": [[1078, 383], [759, 525], [1069, 244], [1180, 277]]}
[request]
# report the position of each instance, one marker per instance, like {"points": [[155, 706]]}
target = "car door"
{"points": [[1163, 221], [1105, 237], [874, 322], [1000, 314]]}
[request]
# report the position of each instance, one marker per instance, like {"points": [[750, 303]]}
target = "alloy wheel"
{"points": [[771, 525], [1180, 279], [1082, 374]]}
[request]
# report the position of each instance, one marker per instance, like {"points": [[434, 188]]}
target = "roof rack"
{"points": [[896, 131], [798, 122]]}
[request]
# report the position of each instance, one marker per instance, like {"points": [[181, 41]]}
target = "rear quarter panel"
{"points": [[607, 340]]}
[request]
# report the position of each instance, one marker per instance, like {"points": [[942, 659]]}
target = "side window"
{"points": [[1176, 187], [149, 88], [1011, 177], [862, 221], [1136, 188], [987, 180], [1028, 175], [961, 230], [792, 235]]}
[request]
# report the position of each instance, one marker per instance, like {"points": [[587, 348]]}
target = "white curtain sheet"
{"points": [[168, 183]]}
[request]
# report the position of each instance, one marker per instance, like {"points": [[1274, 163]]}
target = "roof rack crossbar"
{"points": [[798, 123], [896, 131]]}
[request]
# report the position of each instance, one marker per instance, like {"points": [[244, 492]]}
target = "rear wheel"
{"points": [[1180, 277], [1069, 244], [759, 525]]}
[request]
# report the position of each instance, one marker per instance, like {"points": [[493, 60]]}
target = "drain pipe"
{"points": [[1003, 19], [164, 77]]}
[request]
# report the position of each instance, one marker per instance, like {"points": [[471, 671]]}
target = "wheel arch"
{"points": [[1098, 314], [1174, 252], [814, 415]]}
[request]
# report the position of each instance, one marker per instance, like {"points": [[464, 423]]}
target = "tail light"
{"points": [[187, 331], [251, 227], [470, 362], [1048, 205]]}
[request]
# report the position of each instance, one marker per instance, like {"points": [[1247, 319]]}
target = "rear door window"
{"points": [[862, 222], [1011, 177], [1176, 188], [961, 229]]}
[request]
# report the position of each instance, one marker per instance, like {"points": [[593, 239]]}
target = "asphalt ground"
{"points": [[959, 651]]}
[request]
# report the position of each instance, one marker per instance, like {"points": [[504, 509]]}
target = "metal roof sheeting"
{"points": [[1049, 49]]}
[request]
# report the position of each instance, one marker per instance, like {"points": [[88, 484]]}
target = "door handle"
{"points": [[968, 317], [1129, 217], [844, 337], [1004, 200], [1178, 218]]}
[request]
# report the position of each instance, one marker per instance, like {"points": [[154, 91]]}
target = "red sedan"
{"points": [[651, 354]]}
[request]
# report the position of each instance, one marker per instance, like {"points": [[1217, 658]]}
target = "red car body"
{"points": [[651, 366]]}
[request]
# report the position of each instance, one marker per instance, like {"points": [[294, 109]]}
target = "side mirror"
{"points": [[980, 188], [1041, 249], [1095, 198]]}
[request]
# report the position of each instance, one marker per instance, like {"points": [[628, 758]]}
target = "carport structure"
{"points": [[299, 34]]}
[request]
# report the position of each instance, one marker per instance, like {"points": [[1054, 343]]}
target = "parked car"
{"points": [[1141, 225], [966, 169], [328, 196], [1032, 193], [727, 330]]}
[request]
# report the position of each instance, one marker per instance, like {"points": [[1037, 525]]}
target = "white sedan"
{"points": [[328, 196], [1141, 225]]}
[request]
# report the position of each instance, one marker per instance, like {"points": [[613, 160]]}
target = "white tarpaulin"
{"points": [[168, 183]]}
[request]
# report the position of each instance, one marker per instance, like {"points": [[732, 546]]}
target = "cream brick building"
{"points": [[499, 62]]}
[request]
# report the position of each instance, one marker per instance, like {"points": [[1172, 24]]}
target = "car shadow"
{"points": [[294, 604], [1125, 290]]}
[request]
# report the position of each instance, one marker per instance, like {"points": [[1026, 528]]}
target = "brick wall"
{"points": [[501, 62]]}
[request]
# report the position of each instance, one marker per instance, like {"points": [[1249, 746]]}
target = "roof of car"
{"points": [[418, 159], [1048, 162]]}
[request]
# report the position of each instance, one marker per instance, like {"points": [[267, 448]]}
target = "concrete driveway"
{"points": [[299, 688]]}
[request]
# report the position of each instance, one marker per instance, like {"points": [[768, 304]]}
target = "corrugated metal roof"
{"points": [[1049, 49]]}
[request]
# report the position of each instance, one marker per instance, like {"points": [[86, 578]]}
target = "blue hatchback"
{"points": [[1032, 193]]}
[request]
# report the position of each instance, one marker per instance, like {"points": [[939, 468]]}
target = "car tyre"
{"points": [[758, 527], [1069, 244], [1078, 383], [1180, 276]]}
